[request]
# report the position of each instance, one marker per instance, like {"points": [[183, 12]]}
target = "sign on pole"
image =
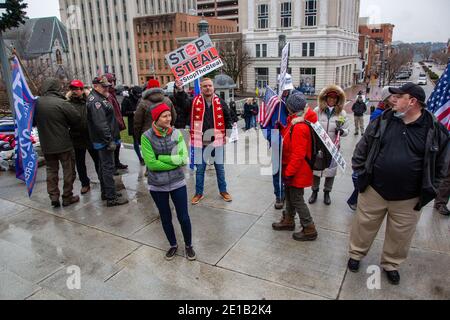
{"points": [[194, 60], [334, 150], [283, 68]]}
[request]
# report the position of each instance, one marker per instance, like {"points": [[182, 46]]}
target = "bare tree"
{"points": [[425, 52], [397, 60], [441, 57], [235, 58]]}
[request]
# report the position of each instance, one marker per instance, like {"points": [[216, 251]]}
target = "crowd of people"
{"points": [[400, 164]]}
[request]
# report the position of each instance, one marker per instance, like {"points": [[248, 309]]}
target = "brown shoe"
{"points": [[287, 223], [226, 196], [70, 201], [307, 234], [85, 190], [197, 198]]}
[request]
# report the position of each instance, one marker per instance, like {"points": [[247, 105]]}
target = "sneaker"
{"points": [[353, 265], [226, 197], [116, 202], [197, 198], [171, 253], [393, 277], [190, 254], [85, 190], [356, 133], [70, 201]]}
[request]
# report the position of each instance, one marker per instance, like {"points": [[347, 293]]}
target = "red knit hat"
{"points": [[152, 83], [158, 110]]}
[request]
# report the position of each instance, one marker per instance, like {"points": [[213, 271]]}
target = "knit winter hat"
{"points": [[158, 110], [152, 83], [296, 102]]}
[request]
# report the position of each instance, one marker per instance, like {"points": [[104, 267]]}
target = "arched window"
{"points": [[58, 57]]}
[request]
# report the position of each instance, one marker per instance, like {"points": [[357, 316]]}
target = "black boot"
{"points": [[313, 198], [326, 198]]}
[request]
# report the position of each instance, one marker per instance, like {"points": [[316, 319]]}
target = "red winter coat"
{"points": [[296, 148], [117, 110]]}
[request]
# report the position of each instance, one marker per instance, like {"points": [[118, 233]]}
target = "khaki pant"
{"points": [[401, 224], [295, 203], [359, 124], [67, 160]]}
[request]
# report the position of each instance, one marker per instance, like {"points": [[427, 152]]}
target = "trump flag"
{"points": [[24, 107]]}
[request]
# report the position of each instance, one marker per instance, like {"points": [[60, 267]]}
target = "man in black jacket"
{"points": [[129, 107], [105, 134], [400, 163], [80, 136], [359, 109], [182, 104]]}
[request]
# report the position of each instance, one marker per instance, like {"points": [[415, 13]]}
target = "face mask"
{"points": [[402, 115]]}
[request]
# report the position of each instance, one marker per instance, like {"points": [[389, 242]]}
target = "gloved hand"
{"points": [[288, 181], [111, 146], [278, 125], [340, 131]]}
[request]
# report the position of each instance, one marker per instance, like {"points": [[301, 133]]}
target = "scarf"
{"points": [[160, 132], [197, 118]]}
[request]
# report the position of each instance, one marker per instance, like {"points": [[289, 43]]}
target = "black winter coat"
{"points": [[436, 158], [129, 106], [183, 106]]}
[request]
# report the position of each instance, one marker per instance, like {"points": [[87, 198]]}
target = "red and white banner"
{"points": [[194, 60]]}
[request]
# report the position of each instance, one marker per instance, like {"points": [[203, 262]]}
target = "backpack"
{"points": [[321, 158]]}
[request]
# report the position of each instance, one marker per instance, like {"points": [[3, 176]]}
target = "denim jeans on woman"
{"points": [[179, 198]]}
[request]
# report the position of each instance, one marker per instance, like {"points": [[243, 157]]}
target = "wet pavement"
{"points": [[120, 251]]}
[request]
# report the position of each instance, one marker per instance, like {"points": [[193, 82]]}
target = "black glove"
{"points": [[340, 131], [111, 146]]}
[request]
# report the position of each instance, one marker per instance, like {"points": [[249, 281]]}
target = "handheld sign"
{"points": [[283, 68], [194, 60], [335, 153]]}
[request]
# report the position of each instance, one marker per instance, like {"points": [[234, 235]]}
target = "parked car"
{"points": [[402, 76], [423, 80]]}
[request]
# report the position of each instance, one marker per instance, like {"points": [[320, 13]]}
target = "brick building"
{"points": [[157, 35]]}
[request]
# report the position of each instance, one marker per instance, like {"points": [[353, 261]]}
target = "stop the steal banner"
{"points": [[194, 60]]}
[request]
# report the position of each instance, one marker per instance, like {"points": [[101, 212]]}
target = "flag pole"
{"points": [[6, 67], [14, 52]]}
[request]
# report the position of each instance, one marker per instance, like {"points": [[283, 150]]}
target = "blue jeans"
{"points": [[253, 122], [218, 155], [137, 148], [276, 164], [179, 198]]}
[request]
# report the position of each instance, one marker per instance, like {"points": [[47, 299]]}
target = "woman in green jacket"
{"points": [[165, 154]]}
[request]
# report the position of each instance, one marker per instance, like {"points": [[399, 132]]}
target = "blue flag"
{"points": [[24, 106]]}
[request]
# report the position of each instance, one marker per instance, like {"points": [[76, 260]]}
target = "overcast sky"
{"points": [[415, 20]]}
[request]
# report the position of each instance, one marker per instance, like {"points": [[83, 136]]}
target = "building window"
{"points": [[261, 50], [263, 16], [140, 47], [307, 80], [310, 13], [141, 64], [262, 77], [308, 49], [286, 15], [146, 46]]}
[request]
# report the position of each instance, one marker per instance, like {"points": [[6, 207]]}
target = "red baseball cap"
{"points": [[152, 83], [77, 84], [332, 94], [158, 110]]}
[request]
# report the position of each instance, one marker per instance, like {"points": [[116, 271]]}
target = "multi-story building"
{"points": [[382, 32], [156, 36], [221, 9], [323, 35], [101, 37], [368, 55]]}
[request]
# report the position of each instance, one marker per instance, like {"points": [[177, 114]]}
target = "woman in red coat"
{"points": [[297, 173]]}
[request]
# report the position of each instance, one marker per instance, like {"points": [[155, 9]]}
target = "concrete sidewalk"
{"points": [[120, 251]]}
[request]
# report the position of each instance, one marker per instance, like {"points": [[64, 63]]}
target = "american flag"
{"points": [[268, 107], [439, 102]]}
